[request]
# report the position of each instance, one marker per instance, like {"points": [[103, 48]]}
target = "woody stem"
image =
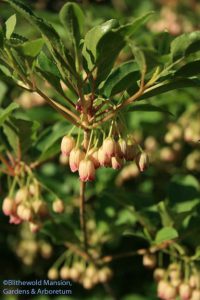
{"points": [[82, 215]]}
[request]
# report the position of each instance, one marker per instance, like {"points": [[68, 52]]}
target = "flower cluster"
{"points": [[173, 283], [112, 152], [26, 204], [87, 276]]}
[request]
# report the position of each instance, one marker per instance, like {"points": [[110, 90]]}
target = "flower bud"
{"points": [[87, 283], [162, 285], [170, 292], [8, 206], [117, 163], [123, 147], [131, 150], [194, 280], [34, 227], [86, 170], [40, 208], [142, 161], [195, 295], [90, 271], [53, 274], [46, 250], [75, 158], [65, 273], [67, 144], [63, 159], [149, 260], [25, 213], [104, 274], [104, 160], [109, 147], [74, 274], [159, 274], [14, 219], [175, 274], [58, 206], [93, 154], [185, 291], [176, 282], [21, 195]]}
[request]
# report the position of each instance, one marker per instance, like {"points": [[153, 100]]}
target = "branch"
{"points": [[4, 161], [82, 215], [69, 115]]}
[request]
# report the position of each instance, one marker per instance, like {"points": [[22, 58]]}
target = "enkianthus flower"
{"points": [[76, 155], [25, 213], [109, 147], [123, 147], [34, 227], [58, 206], [195, 295], [185, 291], [67, 144], [142, 161], [8, 206], [86, 170], [117, 163], [104, 160], [93, 154], [131, 150]]}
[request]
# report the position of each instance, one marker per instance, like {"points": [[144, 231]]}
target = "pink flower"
{"points": [[117, 163], [103, 159], [76, 156], [109, 147], [142, 161], [8, 206], [14, 219], [86, 170], [67, 144]]}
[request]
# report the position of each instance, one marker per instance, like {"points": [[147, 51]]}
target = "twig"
{"points": [[69, 115], [109, 258], [82, 215], [78, 251], [4, 161]]}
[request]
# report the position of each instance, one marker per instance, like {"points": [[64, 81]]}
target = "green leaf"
{"points": [[47, 65], [190, 69], [131, 28], [149, 108], [46, 29], [166, 234], [121, 78], [31, 48], [185, 44], [169, 85], [6, 71], [5, 113], [3, 90], [165, 214], [188, 190], [139, 57], [20, 134], [94, 36], [72, 18], [10, 26], [108, 49], [52, 136], [101, 47], [1, 38]]}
